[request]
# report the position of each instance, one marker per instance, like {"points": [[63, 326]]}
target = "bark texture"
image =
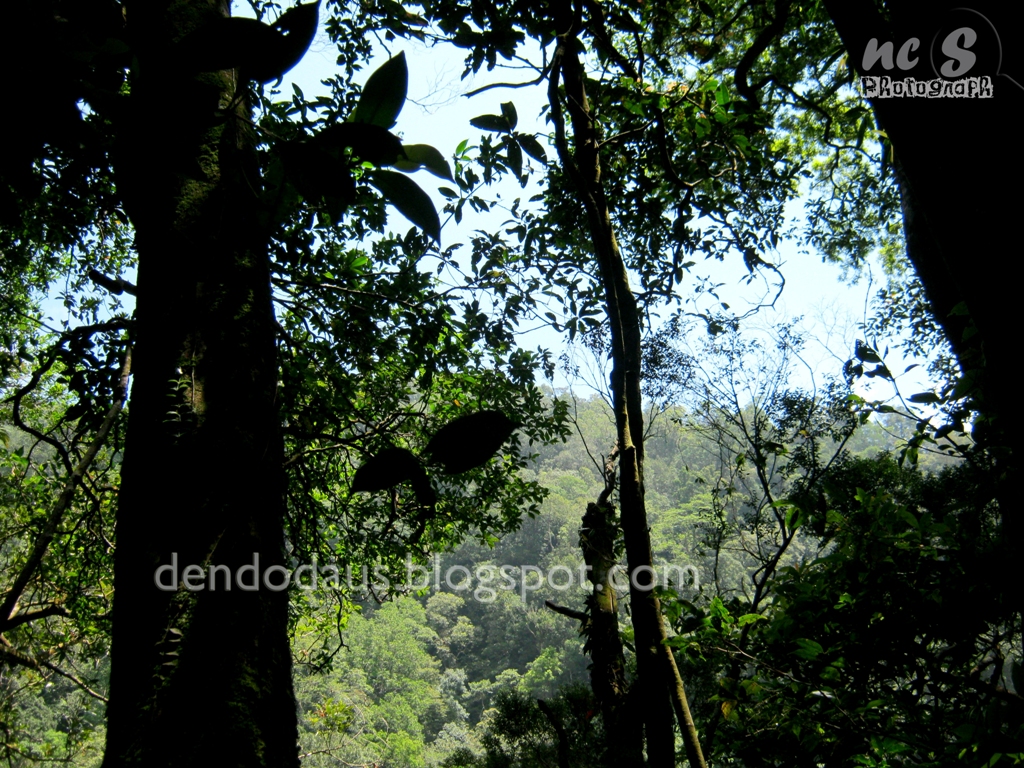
{"points": [[960, 165], [198, 677]]}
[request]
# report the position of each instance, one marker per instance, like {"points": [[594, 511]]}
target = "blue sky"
{"points": [[438, 114]]}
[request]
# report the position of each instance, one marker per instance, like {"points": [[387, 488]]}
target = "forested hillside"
{"points": [[447, 676], [282, 483]]}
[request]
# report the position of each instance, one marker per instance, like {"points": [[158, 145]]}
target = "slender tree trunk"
{"points": [[660, 686], [608, 666], [198, 677]]}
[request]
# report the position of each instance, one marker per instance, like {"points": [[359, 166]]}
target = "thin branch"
{"points": [[64, 500], [536, 81], [22, 660], [24, 618], [572, 614]]}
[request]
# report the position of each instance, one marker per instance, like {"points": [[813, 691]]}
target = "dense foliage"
{"points": [[304, 389]]}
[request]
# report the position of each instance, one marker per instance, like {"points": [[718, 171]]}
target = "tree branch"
{"points": [[64, 501]]}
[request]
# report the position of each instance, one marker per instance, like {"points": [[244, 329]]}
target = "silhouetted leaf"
{"points": [[424, 156], [369, 142], [491, 123], [508, 111], [298, 25], [385, 470], [879, 370], [411, 201], [515, 158], [532, 147], [384, 94], [470, 441], [865, 353], [260, 51]]}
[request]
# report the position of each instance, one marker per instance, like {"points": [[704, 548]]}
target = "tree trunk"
{"points": [[959, 165], [198, 677], [960, 168], [608, 666], [658, 680]]}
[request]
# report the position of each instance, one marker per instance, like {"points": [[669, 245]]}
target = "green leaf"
{"points": [[384, 94], [424, 156], [532, 147], [491, 123], [925, 397], [508, 111], [809, 649], [794, 517], [411, 201], [749, 618]]}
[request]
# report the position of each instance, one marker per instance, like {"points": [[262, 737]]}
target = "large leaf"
{"points": [[299, 27], [515, 158], [369, 142], [261, 52], [384, 94], [391, 467], [411, 201], [508, 111], [532, 147], [491, 123], [470, 441], [424, 156]]}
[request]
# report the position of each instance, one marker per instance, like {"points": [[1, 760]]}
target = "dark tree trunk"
{"points": [[198, 677], [960, 168]]}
